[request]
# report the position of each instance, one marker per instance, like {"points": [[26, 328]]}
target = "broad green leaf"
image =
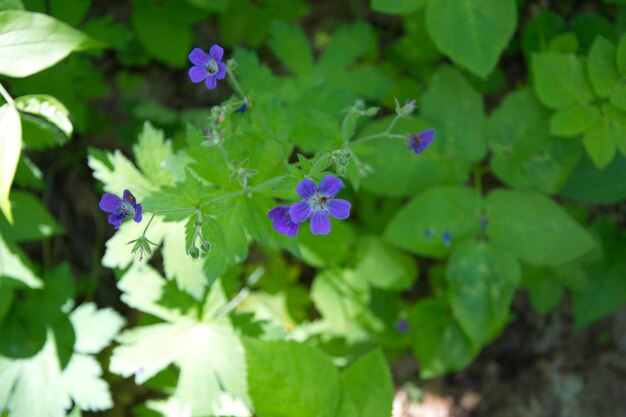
{"points": [[599, 143], [437, 340], [409, 173], [11, 5], [525, 156], [291, 46], [346, 45], [397, 6], [48, 108], [542, 27], [367, 388], [473, 33], [456, 112], [153, 154], [13, 265], [565, 43], [605, 288], [621, 56], [618, 96], [574, 120], [342, 298], [70, 15], [31, 42], [535, 228], [419, 226], [589, 184], [10, 148], [329, 250], [32, 219], [289, 379], [602, 67], [588, 26], [385, 267], [39, 134], [482, 279], [546, 286], [560, 80]]}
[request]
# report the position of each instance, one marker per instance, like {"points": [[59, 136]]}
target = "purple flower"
{"points": [[207, 67], [243, 107], [402, 325], [447, 238], [318, 203], [282, 221], [120, 209], [420, 141]]}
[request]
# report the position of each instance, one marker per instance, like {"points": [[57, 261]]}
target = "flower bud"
{"points": [[193, 252], [205, 246]]}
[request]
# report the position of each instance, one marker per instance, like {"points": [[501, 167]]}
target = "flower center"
{"points": [[318, 201], [211, 67]]}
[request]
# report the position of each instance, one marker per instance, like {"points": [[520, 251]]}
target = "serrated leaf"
{"points": [[10, 149], [291, 46], [347, 44], [288, 379], [419, 226], [560, 80], [95, 329], [117, 173], [48, 108], [31, 42], [152, 153], [481, 279], [574, 120], [473, 33], [534, 228], [602, 67]]}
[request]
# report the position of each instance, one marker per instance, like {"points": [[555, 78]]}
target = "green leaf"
{"points": [[482, 279], [588, 26], [32, 219], [397, 6], [418, 227], [542, 27], [367, 387], [31, 42], [385, 267], [560, 80], [153, 154], [10, 149], [95, 329], [602, 67], [291, 46], [574, 120], [328, 250], [599, 144], [621, 56], [461, 133], [618, 96], [347, 44], [11, 5], [535, 228], [472, 32], [589, 184], [14, 265], [525, 156], [605, 288], [289, 379], [118, 173], [47, 108], [438, 342], [70, 15]]}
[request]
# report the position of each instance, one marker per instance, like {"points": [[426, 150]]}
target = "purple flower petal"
{"points": [[420, 141], [130, 198], [221, 71], [138, 213], [330, 186], [320, 223], [306, 188], [115, 219], [198, 57], [110, 202], [198, 74], [216, 52], [282, 221], [299, 212], [211, 83], [427, 136], [338, 208]]}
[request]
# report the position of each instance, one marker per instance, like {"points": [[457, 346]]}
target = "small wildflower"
{"points": [[318, 203], [447, 238], [420, 141], [243, 107], [407, 109], [120, 208], [402, 325], [282, 221], [208, 68]]}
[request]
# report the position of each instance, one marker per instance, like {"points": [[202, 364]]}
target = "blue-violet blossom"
{"points": [[208, 68], [420, 141], [120, 208], [318, 203], [282, 221]]}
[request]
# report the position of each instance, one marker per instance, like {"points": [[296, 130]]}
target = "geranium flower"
{"points": [[120, 208], [282, 221], [208, 68], [318, 203], [420, 141]]}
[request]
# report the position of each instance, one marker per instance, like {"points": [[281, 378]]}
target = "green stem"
{"points": [[236, 84], [376, 136], [5, 94], [393, 124], [148, 225], [180, 210]]}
